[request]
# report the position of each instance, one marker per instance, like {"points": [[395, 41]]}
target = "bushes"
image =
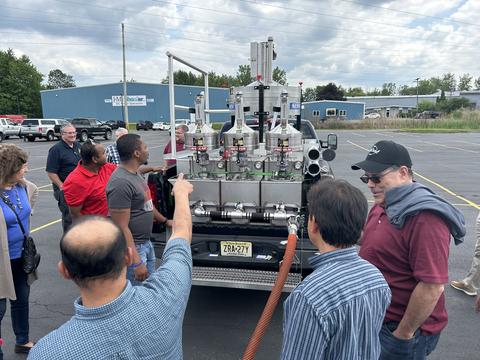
{"points": [[457, 120]]}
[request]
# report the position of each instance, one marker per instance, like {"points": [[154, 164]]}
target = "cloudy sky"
{"points": [[350, 42]]}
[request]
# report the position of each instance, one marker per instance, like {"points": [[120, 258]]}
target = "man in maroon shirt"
{"points": [[412, 256], [180, 140]]}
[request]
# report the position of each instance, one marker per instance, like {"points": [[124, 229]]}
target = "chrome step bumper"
{"points": [[241, 278]]}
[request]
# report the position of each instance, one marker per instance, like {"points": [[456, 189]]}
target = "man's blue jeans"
{"points": [[416, 348], [147, 254], [19, 307]]}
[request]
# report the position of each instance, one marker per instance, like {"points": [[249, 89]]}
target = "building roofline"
{"points": [[140, 83], [339, 101], [394, 96]]}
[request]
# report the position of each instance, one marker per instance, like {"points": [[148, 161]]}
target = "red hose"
{"points": [[272, 301]]}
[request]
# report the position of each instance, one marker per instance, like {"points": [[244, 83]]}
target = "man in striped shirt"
{"points": [[113, 319], [338, 310]]}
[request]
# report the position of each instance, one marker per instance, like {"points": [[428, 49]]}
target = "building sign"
{"points": [[132, 100]]}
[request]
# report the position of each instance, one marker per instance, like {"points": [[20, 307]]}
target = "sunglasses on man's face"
{"points": [[375, 178]]}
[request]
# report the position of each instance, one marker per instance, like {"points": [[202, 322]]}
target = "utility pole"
{"points": [[417, 91], [125, 97]]}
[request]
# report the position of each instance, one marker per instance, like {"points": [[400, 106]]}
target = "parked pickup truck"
{"points": [[89, 128], [7, 128]]}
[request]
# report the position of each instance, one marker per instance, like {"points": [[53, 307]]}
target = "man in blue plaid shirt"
{"points": [[111, 150]]}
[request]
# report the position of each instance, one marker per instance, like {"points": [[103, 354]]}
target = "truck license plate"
{"points": [[236, 248]]}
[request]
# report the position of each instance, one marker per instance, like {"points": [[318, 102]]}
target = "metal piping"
{"points": [[236, 214]]}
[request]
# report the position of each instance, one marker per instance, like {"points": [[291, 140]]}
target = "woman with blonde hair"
{"points": [[17, 198]]}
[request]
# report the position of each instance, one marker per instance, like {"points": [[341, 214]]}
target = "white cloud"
{"points": [[349, 43]]}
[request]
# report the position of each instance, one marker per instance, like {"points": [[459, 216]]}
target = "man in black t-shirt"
{"points": [[62, 159]]}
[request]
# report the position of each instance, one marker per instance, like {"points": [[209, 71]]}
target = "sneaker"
{"points": [[460, 285]]}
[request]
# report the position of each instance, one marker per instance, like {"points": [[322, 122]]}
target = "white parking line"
{"points": [[40, 168], [409, 147], [451, 147], [408, 134], [467, 142], [154, 147], [465, 200], [384, 134], [44, 186], [357, 134]]}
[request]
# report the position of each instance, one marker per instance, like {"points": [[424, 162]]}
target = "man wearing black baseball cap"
{"points": [[407, 237]]}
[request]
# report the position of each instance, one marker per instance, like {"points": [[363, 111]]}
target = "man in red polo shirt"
{"points": [[84, 188], [407, 237]]}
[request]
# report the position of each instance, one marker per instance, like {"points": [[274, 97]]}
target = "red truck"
{"points": [[16, 119]]}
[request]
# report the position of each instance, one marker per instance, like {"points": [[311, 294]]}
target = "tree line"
{"points": [[21, 82], [241, 78]]}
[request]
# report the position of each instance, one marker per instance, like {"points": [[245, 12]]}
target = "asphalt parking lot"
{"points": [[218, 322]]}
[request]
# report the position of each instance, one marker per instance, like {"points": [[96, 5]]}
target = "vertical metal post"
{"points": [[125, 96], [206, 98], [299, 116], [260, 111], [171, 100]]}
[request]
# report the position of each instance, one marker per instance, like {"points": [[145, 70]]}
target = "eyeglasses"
{"points": [[375, 178], [70, 132]]}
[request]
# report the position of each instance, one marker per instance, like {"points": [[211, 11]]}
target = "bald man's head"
{"points": [[94, 248]]}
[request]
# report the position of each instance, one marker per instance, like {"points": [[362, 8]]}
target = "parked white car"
{"points": [[160, 126], [373, 115], [7, 129]]}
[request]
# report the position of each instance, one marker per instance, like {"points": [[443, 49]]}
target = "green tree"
{"points": [[308, 95], [426, 106], [279, 76], [389, 89], [454, 103], [448, 82], [355, 91], [374, 92], [243, 75], [465, 82], [57, 79], [476, 84], [329, 92], [20, 84]]}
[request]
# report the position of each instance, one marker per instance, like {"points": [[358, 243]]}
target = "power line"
{"points": [[5, 18], [409, 12], [311, 11], [246, 15], [315, 26]]}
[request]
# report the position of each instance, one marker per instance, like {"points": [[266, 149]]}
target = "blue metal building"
{"points": [[332, 109], [145, 102]]}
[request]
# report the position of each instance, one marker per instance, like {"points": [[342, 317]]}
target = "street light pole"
{"points": [[125, 96], [417, 91]]}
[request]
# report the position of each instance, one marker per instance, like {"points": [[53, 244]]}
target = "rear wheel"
{"points": [[108, 135], [50, 136], [83, 136], [1, 137]]}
